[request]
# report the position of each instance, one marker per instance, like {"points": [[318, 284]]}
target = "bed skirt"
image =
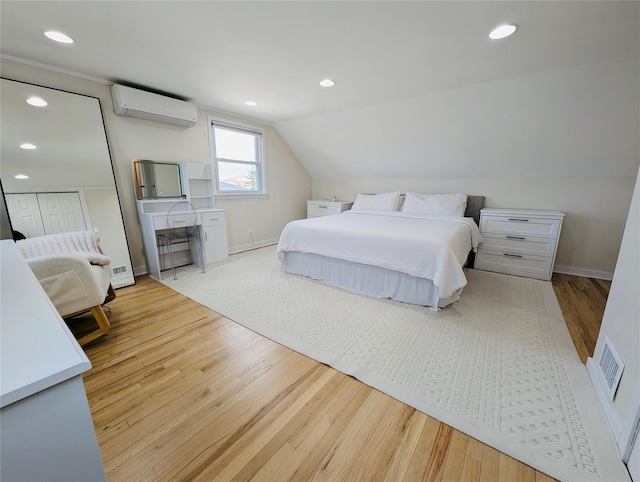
{"points": [[368, 280]]}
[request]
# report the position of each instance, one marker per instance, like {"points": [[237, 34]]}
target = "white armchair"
{"points": [[74, 273]]}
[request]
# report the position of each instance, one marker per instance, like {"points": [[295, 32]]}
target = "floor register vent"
{"points": [[611, 366]]}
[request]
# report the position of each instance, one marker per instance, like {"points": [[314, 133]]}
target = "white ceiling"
{"points": [[220, 54], [421, 91]]}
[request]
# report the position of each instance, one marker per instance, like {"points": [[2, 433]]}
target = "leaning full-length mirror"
{"points": [[56, 169]]}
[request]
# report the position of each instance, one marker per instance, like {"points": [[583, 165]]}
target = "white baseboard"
{"points": [[606, 403], [258, 244], [125, 279], [139, 270], [586, 273]]}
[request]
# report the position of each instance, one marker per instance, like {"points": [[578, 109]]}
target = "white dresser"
{"points": [[326, 208], [519, 242], [47, 430]]}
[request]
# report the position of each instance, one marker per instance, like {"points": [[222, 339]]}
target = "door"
{"points": [[25, 214], [61, 212]]}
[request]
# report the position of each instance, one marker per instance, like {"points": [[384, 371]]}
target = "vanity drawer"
{"points": [[510, 263], [516, 244], [320, 209], [177, 220], [517, 225], [213, 218]]}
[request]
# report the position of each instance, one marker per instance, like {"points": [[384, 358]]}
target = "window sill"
{"points": [[240, 196]]}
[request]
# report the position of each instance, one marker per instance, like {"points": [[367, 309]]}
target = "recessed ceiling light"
{"points": [[327, 83], [59, 37], [36, 102], [502, 31], [251, 103], [21, 176], [28, 146]]}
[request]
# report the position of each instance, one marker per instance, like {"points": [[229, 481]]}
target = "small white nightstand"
{"points": [[326, 208], [519, 242]]}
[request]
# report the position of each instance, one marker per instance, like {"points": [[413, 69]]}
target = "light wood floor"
{"points": [[178, 392]]}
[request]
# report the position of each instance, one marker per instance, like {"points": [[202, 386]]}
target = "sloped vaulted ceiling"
{"points": [[578, 121], [561, 97]]}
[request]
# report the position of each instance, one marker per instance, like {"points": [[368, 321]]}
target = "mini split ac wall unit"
{"points": [[131, 102]]}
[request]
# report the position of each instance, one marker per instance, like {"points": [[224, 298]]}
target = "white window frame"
{"points": [[260, 157]]}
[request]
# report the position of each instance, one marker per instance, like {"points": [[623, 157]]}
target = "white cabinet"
{"points": [[519, 242], [326, 208], [214, 233], [153, 220]]}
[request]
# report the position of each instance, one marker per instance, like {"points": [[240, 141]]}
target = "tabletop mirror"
{"points": [[157, 180]]}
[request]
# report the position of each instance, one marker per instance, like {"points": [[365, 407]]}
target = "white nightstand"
{"points": [[326, 208], [519, 242]]}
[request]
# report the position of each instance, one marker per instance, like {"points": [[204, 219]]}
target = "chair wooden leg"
{"points": [[103, 326], [111, 295]]}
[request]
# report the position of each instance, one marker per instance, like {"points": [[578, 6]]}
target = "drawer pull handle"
{"points": [[508, 255], [323, 207], [519, 220], [213, 219], [519, 238]]}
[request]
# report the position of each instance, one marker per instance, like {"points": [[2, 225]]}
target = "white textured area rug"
{"points": [[498, 365]]}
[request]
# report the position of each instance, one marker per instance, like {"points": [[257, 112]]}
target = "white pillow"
{"points": [[440, 204], [386, 201]]}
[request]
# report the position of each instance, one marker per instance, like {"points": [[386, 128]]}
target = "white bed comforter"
{"points": [[423, 246]]}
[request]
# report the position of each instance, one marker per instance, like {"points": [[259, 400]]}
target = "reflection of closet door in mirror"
{"points": [[61, 212], [71, 155], [24, 213], [46, 213]]}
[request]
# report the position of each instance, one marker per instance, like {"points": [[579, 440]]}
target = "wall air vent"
{"points": [[119, 269], [611, 366]]}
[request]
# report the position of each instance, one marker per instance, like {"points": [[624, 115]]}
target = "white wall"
{"points": [[289, 184], [595, 209], [102, 204], [564, 140], [621, 321]]}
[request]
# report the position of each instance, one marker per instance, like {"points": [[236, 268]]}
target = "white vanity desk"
{"points": [[47, 429], [210, 221]]}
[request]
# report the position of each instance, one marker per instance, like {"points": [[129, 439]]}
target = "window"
{"points": [[238, 158]]}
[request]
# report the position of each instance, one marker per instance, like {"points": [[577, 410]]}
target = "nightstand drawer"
{"points": [[315, 210], [517, 225], [516, 244], [509, 263]]}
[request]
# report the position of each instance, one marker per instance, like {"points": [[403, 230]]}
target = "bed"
{"points": [[407, 248]]}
